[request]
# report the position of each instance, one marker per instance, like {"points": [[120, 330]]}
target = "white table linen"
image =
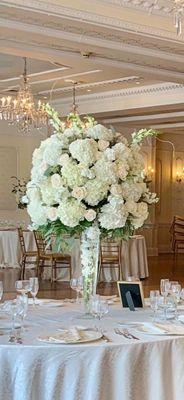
{"points": [[148, 369], [133, 255]]}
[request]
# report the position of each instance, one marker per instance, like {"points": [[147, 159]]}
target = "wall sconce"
{"points": [[179, 176], [149, 175]]}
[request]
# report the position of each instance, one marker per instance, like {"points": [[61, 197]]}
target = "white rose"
{"points": [[63, 159], [90, 215], [116, 189], [131, 207], [56, 181], [122, 172], [103, 144], [52, 213], [79, 192]]}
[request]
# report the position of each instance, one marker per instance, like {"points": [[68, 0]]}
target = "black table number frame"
{"points": [[136, 291]]}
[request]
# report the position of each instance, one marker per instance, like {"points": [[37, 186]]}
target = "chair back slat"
{"points": [[40, 242], [21, 240], [110, 250]]}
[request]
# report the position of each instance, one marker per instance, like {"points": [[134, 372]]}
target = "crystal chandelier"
{"points": [[22, 111]]}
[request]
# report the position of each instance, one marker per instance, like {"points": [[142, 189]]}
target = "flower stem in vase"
{"points": [[90, 241]]}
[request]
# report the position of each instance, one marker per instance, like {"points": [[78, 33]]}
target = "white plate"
{"points": [[46, 302], [152, 329], [181, 318], [86, 336]]}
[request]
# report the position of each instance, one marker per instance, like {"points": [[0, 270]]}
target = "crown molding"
{"points": [[125, 99], [142, 5], [91, 18], [148, 90]]}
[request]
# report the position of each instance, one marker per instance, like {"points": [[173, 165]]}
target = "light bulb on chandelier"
{"points": [[22, 111]]}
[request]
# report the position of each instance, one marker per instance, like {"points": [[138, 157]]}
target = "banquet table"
{"points": [[146, 369], [133, 256]]}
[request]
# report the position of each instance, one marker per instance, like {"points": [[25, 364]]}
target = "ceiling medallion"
{"points": [[22, 110]]}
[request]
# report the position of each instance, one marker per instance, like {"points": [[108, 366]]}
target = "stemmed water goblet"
{"points": [[34, 287], [77, 285]]}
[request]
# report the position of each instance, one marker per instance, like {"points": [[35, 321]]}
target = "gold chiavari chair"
{"points": [[55, 260], [177, 234], [110, 256], [27, 257]]}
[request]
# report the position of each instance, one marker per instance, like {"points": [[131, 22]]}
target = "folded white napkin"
{"points": [[67, 336]]}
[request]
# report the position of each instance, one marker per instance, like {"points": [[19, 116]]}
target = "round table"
{"points": [[146, 369]]}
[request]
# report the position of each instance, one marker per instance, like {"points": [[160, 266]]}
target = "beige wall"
{"points": [[15, 158]]}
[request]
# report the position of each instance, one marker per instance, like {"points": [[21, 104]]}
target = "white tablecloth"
{"points": [[134, 256], [149, 369]]}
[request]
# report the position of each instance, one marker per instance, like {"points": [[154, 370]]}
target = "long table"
{"points": [[148, 369], [133, 255]]}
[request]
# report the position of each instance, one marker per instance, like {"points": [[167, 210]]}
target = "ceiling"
{"points": [[126, 61]]}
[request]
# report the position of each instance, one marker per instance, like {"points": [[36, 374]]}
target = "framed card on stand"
{"points": [[131, 290]]}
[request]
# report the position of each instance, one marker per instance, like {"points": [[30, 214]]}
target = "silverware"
{"points": [[104, 337], [125, 333]]}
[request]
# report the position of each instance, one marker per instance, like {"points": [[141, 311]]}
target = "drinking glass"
{"points": [[22, 306], [22, 287], [34, 286], [99, 308], [75, 284], [176, 290], [154, 299], [16, 310], [1, 290], [167, 307], [182, 294], [164, 287]]}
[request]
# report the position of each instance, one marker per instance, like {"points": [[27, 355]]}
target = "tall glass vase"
{"points": [[90, 244]]}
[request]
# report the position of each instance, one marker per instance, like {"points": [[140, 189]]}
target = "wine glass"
{"points": [[34, 285], [1, 290], [16, 309], [76, 284], [23, 287]]}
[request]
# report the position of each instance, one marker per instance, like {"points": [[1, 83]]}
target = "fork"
{"points": [[125, 333]]}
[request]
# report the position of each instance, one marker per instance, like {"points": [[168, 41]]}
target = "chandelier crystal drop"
{"points": [[22, 110]]}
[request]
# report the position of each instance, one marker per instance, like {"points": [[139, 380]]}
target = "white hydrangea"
{"points": [[72, 174], [71, 212], [96, 191], [113, 216], [133, 191], [37, 212], [105, 171], [100, 132], [53, 150], [84, 150]]}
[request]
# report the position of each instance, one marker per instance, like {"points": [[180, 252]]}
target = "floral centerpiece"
{"points": [[19, 191], [88, 180]]}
